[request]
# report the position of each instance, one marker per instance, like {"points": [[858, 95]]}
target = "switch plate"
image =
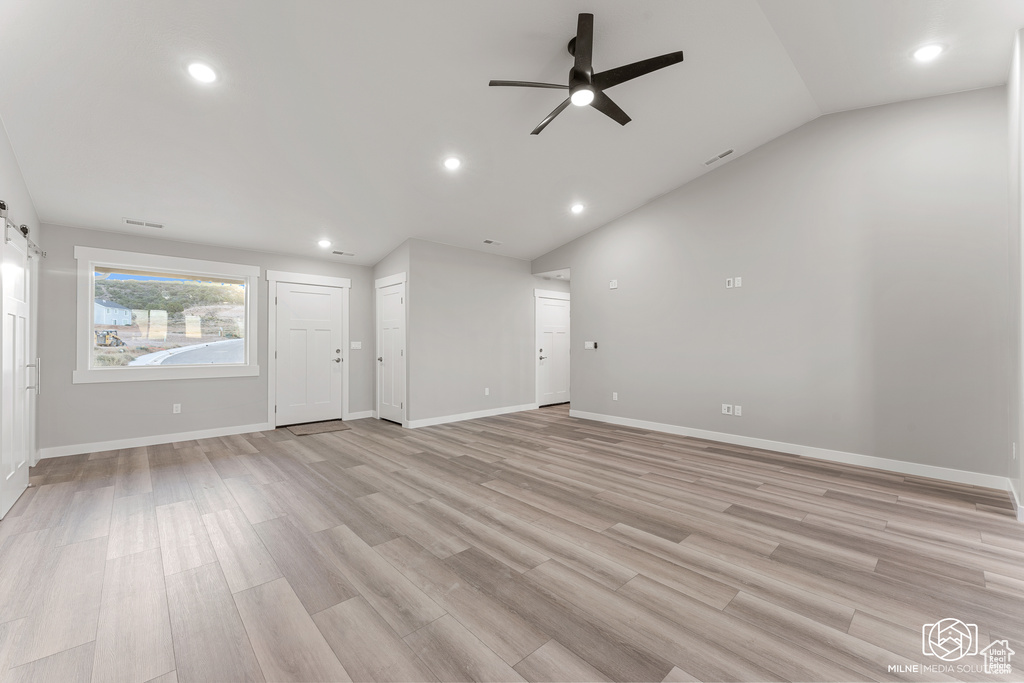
{"points": [[589, 346], [176, 408], [726, 409], [615, 396], [356, 345], [613, 284], [728, 283], [737, 411], [487, 391], [737, 282]]}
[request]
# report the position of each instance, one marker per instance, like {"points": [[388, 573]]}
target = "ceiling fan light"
{"points": [[582, 96], [577, 208], [324, 243], [452, 163]]}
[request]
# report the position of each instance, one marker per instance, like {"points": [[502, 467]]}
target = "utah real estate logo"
{"points": [[950, 640]]}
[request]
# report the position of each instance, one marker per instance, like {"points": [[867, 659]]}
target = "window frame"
{"points": [[90, 257]]}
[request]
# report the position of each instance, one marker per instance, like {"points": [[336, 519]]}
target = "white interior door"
{"points": [[309, 353], [552, 350], [391, 352], [15, 411]]}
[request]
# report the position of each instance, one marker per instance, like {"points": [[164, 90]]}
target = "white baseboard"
{"points": [[899, 466], [1015, 495], [75, 449], [361, 415], [430, 421]]}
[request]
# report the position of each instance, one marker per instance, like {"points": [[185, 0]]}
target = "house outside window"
{"points": [[111, 313]]}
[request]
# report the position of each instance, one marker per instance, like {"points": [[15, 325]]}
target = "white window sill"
{"points": [[145, 374]]}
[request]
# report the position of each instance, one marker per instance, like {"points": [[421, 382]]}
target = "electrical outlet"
{"points": [[613, 284], [487, 391], [737, 282], [728, 283], [726, 409], [615, 396], [176, 408], [737, 410]]}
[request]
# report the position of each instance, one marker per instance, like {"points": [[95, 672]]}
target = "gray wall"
{"points": [[72, 414], [395, 262], [13, 189], [1015, 103], [873, 316], [471, 320], [551, 284]]}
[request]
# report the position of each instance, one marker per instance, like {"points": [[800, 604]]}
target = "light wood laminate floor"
{"points": [[528, 546]]}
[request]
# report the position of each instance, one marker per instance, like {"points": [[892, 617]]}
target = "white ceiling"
{"points": [[331, 119]]}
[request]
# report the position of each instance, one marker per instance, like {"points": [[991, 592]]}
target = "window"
{"points": [[147, 317]]}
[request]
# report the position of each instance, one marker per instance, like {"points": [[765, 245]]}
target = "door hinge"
{"points": [[401, 299], [275, 354], [275, 300], [275, 409], [402, 353], [401, 406]]}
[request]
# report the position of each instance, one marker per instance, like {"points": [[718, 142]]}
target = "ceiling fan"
{"points": [[585, 87]]}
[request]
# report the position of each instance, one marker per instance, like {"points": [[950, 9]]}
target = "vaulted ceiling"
{"points": [[331, 118]]}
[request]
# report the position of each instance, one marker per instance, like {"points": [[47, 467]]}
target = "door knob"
{"points": [[380, 359], [337, 360], [543, 357]]}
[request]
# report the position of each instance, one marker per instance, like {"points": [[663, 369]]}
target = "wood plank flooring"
{"points": [[530, 546]]}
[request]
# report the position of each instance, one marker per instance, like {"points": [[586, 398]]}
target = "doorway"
{"points": [[17, 394], [391, 384], [309, 348], [552, 347]]}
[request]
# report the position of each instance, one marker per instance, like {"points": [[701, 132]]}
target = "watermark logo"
{"points": [[949, 639], [997, 657]]}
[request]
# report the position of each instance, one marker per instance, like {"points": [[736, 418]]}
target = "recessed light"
{"points": [[927, 53], [577, 208], [201, 72], [324, 243], [452, 163]]}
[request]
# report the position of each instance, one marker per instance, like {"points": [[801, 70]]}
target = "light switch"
{"points": [[589, 346], [357, 345], [728, 283], [737, 281], [613, 284]]}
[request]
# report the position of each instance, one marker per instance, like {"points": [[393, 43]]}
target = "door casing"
{"points": [[345, 284], [402, 369], [539, 295]]}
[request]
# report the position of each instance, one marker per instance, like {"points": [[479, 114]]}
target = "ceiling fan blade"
{"points": [[607, 79], [584, 53], [529, 84], [550, 117], [604, 104]]}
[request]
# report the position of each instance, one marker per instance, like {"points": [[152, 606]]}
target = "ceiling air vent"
{"points": [[141, 224], [719, 156], [343, 253], [493, 243]]}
